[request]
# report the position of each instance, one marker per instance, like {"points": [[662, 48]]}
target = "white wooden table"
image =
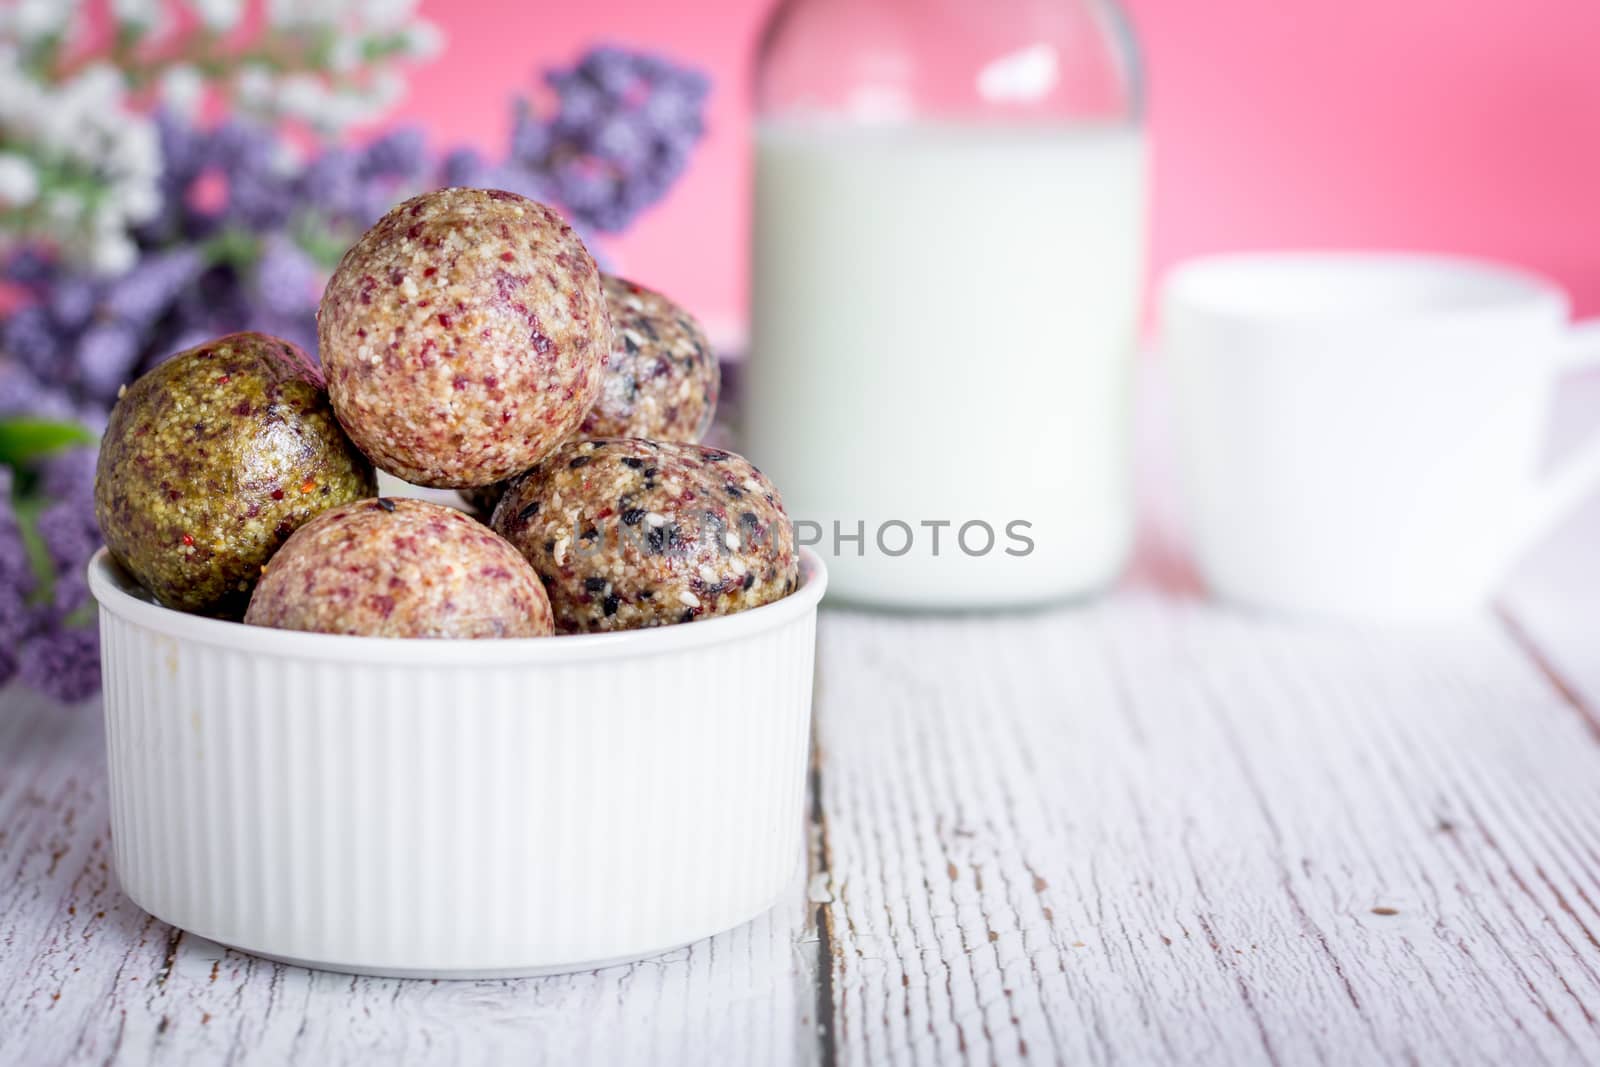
{"points": [[1144, 830]]}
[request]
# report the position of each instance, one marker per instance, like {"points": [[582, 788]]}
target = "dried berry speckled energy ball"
{"points": [[400, 568], [464, 337], [629, 533], [209, 463], [661, 383], [662, 379]]}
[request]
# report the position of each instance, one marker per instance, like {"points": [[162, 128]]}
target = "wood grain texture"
{"points": [[1150, 831], [86, 977], [1145, 830]]}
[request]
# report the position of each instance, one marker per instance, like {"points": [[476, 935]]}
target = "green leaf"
{"points": [[321, 239], [27, 511], [23, 440], [234, 247]]}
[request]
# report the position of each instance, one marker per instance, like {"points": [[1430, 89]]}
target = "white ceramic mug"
{"points": [[1361, 435]]}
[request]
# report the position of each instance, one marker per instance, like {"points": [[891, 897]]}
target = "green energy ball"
{"points": [[212, 460]]}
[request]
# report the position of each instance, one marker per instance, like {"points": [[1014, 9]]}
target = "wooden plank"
{"points": [[85, 977], [1152, 831]]}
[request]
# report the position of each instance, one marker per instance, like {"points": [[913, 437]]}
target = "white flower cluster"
{"points": [[361, 30], [219, 16], [80, 167], [145, 16], [29, 22], [85, 165]]}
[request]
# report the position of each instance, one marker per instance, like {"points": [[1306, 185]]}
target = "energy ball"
{"points": [[400, 568], [211, 460], [629, 533], [662, 379], [661, 382], [464, 337]]}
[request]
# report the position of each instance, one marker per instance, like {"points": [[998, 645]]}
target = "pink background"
{"points": [[1383, 123]]}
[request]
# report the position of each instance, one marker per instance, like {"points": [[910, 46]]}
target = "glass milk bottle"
{"points": [[950, 215]]}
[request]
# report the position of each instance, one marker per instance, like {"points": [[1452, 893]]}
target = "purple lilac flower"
{"points": [[63, 663], [92, 417], [29, 337], [260, 194], [143, 295], [624, 125], [625, 139], [67, 525], [333, 181], [531, 137], [23, 394], [613, 69], [587, 192], [14, 567], [218, 303], [582, 103], [106, 356], [676, 102], [183, 148], [298, 328], [16, 582], [183, 157], [58, 655], [71, 594], [400, 153], [391, 168], [528, 183], [69, 474], [287, 279], [465, 166], [72, 301], [190, 337], [28, 265], [69, 533]]}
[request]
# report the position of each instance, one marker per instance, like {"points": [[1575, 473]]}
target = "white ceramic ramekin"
{"points": [[455, 808]]}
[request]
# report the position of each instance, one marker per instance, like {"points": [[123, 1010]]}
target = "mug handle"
{"points": [[1560, 491]]}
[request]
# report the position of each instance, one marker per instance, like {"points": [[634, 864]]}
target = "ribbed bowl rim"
{"points": [[120, 596]]}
